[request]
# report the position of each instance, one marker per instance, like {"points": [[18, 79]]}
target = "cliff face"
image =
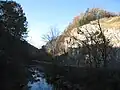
{"points": [[71, 40], [110, 27]]}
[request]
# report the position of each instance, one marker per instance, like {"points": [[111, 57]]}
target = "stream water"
{"points": [[40, 83]]}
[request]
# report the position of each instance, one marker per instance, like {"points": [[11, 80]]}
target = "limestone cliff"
{"points": [[71, 38], [110, 26]]}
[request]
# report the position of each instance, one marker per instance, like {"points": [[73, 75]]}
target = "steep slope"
{"points": [[75, 49], [66, 42], [110, 26]]}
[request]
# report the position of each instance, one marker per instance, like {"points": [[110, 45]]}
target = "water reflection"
{"points": [[40, 82]]}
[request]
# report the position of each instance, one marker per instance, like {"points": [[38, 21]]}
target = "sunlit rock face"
{"points": [[111, 33], [71, 38]]}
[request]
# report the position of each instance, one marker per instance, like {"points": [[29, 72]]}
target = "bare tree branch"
{"points": [[51, 35]]}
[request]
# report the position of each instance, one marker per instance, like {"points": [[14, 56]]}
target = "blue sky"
{"points": [[43, 14]]}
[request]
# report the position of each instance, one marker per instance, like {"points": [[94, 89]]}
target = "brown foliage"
{"points": [[90, 15]]}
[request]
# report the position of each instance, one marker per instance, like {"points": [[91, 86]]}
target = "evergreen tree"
{"points": [[13, 18]]}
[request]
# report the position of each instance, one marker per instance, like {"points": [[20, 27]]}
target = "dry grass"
{"points": [[108, 23], [112, 22]]}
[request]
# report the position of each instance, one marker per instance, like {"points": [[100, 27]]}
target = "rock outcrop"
{"points": [[71, 40], [110, 27]]}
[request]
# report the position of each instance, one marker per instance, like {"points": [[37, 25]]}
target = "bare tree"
{"points": [[51, 38], [51, 35]]}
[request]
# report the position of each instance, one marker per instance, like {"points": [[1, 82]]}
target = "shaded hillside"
{"points": [[16, 55]]}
